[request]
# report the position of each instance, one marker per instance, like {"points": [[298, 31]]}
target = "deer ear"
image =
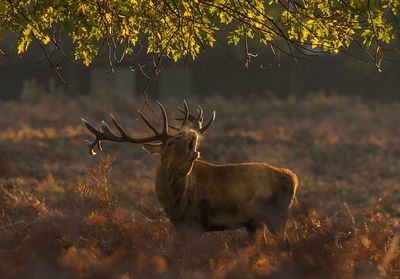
{"points": [[152, 148]]}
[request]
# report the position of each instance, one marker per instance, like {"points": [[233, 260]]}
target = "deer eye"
{"points": [[172, 142]]}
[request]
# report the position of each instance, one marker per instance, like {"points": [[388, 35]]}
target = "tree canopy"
{"points": [[180, 29]]}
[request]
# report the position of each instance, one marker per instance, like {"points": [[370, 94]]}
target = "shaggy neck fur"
{"points": [[175, 195]]}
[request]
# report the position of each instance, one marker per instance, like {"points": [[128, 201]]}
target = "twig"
{"points": [[352, 221], [248, 55], [153, 75], [55, 67]]}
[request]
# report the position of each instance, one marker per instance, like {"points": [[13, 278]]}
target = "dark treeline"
{"points": [[220, 71]]}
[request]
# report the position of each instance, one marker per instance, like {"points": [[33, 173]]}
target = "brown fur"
{"points": [[218, 197]]}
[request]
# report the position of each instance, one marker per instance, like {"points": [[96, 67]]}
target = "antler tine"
{"points": [[105, 128], [119, 127], [199, 118], [181, 109], [165, 120], [100, 135], [148, 123], [196, 121], [190, 117], [89, 126], [186, 111], [202, 130], [109, 135]]}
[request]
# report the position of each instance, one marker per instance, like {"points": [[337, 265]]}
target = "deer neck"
{"points": [[174, 192]]}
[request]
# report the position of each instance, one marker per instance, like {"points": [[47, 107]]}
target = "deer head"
{"points": [[178, 151]]}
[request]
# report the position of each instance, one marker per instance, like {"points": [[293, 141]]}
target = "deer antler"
{"points": [[197, 122], [105, 133]]}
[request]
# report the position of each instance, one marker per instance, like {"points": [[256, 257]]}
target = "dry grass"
{"points": [[67, 215]]}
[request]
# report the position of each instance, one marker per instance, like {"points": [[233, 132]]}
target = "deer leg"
{"points": [[255, 230], [276, 226]]}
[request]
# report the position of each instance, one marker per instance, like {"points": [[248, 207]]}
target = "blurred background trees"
{"points": [[138, 39]]}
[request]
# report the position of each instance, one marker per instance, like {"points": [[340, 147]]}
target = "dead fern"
{"points": [[94, 189]]}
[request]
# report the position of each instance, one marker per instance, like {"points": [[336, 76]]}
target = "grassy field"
{"points": [[66, 214]]}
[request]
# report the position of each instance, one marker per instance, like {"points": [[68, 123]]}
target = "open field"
{"points": [[66, 214]]}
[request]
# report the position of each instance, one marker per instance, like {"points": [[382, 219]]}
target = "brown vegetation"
{"points": [[65, 214]]}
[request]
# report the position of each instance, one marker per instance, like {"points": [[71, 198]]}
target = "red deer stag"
{"points": [[196, 194]]}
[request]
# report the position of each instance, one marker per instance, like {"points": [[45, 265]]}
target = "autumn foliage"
{"points": [[181, 29]]}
